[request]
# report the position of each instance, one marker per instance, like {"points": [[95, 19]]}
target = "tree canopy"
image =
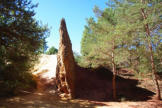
{"points": [[21, 39], [52, 51], [125, 34]]}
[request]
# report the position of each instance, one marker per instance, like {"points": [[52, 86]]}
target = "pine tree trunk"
{"points": [[114, 82], [114, 75], [154, 73]]}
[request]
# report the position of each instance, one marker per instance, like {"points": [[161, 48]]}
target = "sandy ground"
{"points": [[46, 96], [46, 68]]}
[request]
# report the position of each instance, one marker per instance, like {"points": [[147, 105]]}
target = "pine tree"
{"points": [[21, 39], [144, 12], [125, 34], [145, 16], [107, 45]]}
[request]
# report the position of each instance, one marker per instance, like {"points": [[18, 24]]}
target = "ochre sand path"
{"points": [[46, 67], [47, 97], [45, 71]]}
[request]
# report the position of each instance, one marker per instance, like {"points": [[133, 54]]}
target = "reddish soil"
{"points": [[46, 97], [131, 93]]}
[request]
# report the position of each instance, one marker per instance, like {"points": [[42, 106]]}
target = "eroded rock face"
{"points": [[65, 70], [74, 81]]}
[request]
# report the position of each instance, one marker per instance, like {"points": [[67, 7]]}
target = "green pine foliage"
{"points": [[104, 32], [125, 34], [122, 23], [21, 40]]}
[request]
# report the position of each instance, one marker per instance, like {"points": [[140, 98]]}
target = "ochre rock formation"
{"points": [[65, 70], [88, 83]]}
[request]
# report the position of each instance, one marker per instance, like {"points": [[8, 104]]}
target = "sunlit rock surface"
{"points": [[65, 71]]}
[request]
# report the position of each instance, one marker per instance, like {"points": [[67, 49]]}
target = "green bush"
{"points": [[22, 38], [52, 51], [15, 76]]}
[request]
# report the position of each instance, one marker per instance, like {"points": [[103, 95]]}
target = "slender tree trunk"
{"points": [[114, 74], [154, 73]]}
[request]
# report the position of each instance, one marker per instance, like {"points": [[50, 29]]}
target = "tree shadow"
{"points": [[45, 100], [96, 85]]}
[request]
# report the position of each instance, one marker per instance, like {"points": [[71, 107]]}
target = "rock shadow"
{"points": [[96, 85]]}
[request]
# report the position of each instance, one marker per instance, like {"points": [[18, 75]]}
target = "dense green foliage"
{"points": [[126, 34], [52, 51], [21, 39], [122, 25]]}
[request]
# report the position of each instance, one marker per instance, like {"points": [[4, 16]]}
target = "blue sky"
{"points": [[75, 13]]}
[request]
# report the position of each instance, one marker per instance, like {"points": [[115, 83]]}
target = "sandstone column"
{"points": [[65, 70]]}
